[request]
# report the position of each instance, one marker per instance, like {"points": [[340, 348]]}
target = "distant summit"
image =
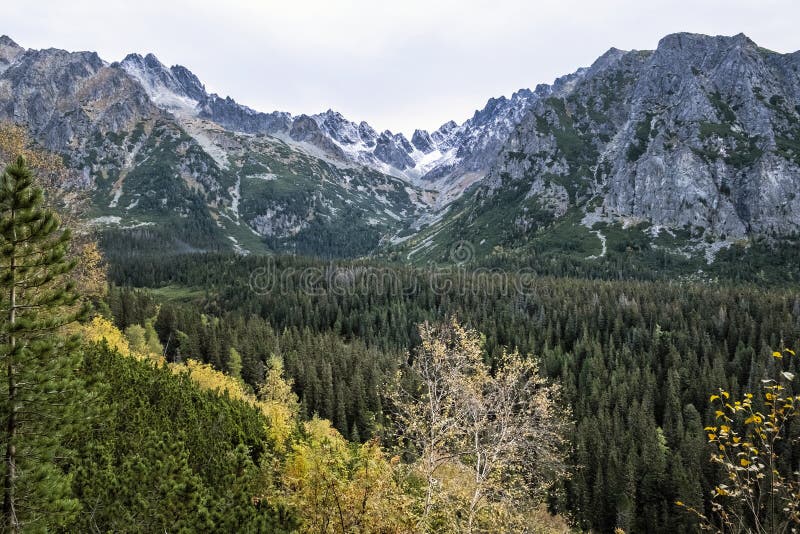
{"points": [[700, 135]]}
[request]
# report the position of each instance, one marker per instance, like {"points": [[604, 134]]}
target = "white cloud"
{"points": [[399, 65]]}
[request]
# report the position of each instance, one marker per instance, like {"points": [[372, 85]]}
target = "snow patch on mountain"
{"points": [[160, 83], [448, 160]]}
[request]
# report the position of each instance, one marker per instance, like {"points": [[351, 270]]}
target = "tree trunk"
{"points": [[9, 481], [11, 452], [476, 494]]}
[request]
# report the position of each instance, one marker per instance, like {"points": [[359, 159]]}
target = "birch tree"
{"points": [[487, 443]]}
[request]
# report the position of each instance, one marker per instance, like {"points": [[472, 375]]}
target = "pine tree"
{"points": [[235, 363], [39, 383]]}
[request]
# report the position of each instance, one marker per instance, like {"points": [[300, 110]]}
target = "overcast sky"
{"points": [[399, 65]]}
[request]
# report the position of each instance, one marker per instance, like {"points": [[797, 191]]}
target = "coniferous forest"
{"points": [[637, 360], [260, 394], [576, 311]]}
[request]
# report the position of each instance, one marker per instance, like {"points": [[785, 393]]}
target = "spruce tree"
{"points": [[38, 362]]}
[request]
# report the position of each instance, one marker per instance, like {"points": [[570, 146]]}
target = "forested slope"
{"points": [[636, 359]]}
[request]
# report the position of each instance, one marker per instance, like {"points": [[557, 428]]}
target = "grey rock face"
{"points": [[394, 150], [177, 89], [445, 154], [65, 98], [731, 107], [422, 141], [305, 129], [227, 113], [342, 130], [188, 82], [136, 133], [171, 88], [443, 134], [9, 52], [103, 121], [702, 132], [367, 134], [472, 147]]}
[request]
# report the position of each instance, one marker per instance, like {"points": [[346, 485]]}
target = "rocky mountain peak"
{"points": [[339, 128], [9, 52], [695, 41], [66, 99], [442, 133], [491, 107], [190, 83], [306, 129], [522, 94], [609, 58], [447, 127], [8, 42], [421, 139], [474, 143], [333, 115], [173, 89], [72, 67], [394, 150], [701, 132], [509, 109], [367, 134], [151, 61]]}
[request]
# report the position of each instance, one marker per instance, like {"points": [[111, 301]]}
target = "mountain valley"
{"points": [[687, 150]]}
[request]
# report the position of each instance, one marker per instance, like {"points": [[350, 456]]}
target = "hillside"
{"points": [[576, 310], [688, 148], [692, 145], [163, 177]]}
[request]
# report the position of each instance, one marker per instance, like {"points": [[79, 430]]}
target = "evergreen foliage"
{"points": [[165, 455], [39, 386], [635, 358], [144, 433]]}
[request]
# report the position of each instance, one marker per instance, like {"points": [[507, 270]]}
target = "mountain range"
{"points": [[692, 147]]}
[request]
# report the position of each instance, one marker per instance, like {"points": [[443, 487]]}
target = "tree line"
{"points": [[636, 360], [102, 433]]}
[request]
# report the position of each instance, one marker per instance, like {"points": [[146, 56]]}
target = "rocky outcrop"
{"points": [[702, 132], [430, 159], [9, 51], [178, 90], [422, 141], [394, 150], [172, 88], [157, 151], [305, 129], [65, 98], [227, 113]]}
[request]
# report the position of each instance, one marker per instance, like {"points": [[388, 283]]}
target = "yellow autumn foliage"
{"points": [[15, 141], [361, 488], [281, 416], [101, 329], [328, 483], [757, 492], [210, 379], [89, 273], [361, 492]]}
